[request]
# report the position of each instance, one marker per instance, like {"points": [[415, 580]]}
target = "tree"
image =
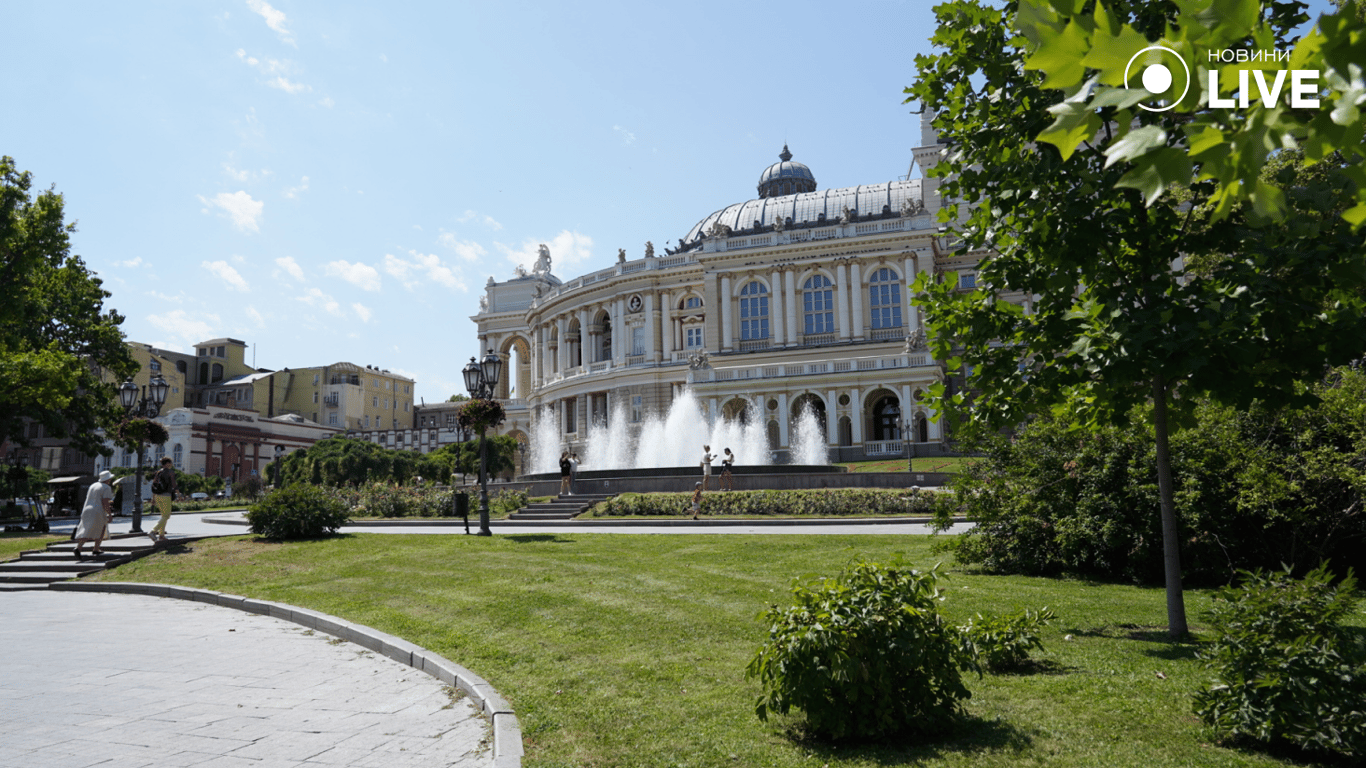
{"points": [[1086, 52], [1113, 319], [458, 398], [60, 351]]}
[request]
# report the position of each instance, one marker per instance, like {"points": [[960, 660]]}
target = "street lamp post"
{"points": [[153, 396], [481, 378]]}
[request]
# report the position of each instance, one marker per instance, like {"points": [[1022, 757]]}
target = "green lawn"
{"points": [[629, 650], [932, 464], [11, 544]]}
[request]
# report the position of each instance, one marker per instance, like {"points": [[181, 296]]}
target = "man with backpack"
{"points": [[163, 491]]}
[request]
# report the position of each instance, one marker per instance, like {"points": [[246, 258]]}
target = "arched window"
{"points": [[692, 302], [180, 366], [922, 429], [178, 456], [203, 373], [818, 305], [884, 297], [161, 453], [753, 311], [217, 372]]}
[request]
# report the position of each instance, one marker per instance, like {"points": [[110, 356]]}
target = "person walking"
{"points": [[565, 469], [573, 471], [696, 500], [727, 480], [163, 491], [706, 466], [95, 516]]}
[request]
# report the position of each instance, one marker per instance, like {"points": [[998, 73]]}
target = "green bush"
{"points": [[297, 512], [506, 502], [864, 656], [831, 502], [1255, 488], [385, 499], [1002, 643], [1287, 670]]}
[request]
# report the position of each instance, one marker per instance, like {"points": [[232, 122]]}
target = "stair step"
{"points": [[43, 577], [26, 566]]}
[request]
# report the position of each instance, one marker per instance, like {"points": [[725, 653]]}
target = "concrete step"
{"points": [[39, 566], [561, 508], [41, 577]]}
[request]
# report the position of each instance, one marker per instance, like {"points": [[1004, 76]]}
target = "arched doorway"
{"points": [[886, 413]]}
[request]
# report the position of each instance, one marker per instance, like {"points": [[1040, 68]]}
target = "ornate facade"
{"points": [[796, 299]]}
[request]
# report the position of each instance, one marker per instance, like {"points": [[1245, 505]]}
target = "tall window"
{"points": [[818, 305], [178, 456], [692, 302], [637, 407], [753, 311], [694, 337], [637, 340], [884, 297]]}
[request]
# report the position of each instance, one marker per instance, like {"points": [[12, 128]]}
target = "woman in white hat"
{"points": [[99, 509]]}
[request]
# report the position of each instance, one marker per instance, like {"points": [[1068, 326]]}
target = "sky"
{"points": [[336, 181]]}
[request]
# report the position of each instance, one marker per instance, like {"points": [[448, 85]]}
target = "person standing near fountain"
{"points": [[706, 466], [573, 470], [696, 500], [727, 480], [564, 473]]}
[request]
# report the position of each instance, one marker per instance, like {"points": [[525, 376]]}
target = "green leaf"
{"points": [[1137, 143], [1059, 57]]}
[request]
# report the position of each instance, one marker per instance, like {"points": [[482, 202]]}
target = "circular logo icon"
{"points": [[1157, 75]]}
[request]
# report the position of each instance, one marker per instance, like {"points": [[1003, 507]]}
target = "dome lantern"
{"points": [[786, 177]]}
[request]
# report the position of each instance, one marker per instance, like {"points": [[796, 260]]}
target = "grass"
{"points": [[930, 464], [629, 650], [11, 544]]}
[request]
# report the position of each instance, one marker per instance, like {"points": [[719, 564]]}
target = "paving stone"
{"points": [[132, 680]]}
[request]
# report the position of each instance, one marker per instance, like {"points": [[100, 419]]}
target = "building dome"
{"points": [[786, 177]]}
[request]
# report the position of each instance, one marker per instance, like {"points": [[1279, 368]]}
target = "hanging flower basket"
{"points": [[477, 415]]}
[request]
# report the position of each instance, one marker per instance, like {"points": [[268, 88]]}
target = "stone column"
{"points": [[585, 348], [776, 310], [651, 328], [784, 419], [912, 313], [790, 304], [842, 302], [856, 417], [620, 344], [856, 299], [562, 352], [726, 337], [832, 418], [668, 318]]}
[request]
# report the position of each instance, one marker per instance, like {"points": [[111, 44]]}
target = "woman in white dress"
{"points": [[99, 508]]}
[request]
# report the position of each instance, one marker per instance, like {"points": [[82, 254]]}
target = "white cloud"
{"points": [[327, 102], [186, 328], [159, 296], [316, 298], [465, 249], [384, 58], [626, 136], [274, 19], [224, 272], [566, 249], [362, 312], [256, 317], [423, 268], [358, 274], [244, 212], [131, 262], [244, 175], [288, 87], [293, 192], [481, 218], [288, 264]]}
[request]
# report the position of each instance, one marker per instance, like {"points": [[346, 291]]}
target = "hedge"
{"points": [[825, 502]]}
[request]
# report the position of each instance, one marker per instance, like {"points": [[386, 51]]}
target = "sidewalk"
{"points": [[127, 680]]}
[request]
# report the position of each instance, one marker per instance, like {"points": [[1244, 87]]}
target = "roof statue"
{"points": [[484, 303], [542, 266], [649, 250], [621, 255], [846, 215], [916, 342], [520, 271], [911, 207]]}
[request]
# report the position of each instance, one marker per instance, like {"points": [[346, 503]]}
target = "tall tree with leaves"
{"points": [[60, 350], [1110, 317]]}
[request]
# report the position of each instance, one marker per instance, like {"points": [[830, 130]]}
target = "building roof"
{"points": [[809, 209]]}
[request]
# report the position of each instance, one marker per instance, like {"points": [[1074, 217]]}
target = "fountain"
{"points": [[675, 439]]}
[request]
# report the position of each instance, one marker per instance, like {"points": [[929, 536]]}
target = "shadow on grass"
{"points": [[1161, 644], [972, 736], [1288, 754], [540, 538], [1037, 667]]}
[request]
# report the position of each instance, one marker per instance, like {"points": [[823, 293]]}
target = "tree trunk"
{"points": [[1171, 534]]}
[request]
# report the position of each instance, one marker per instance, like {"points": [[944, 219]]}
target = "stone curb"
{"points": [[631, 523], [507, 732]]}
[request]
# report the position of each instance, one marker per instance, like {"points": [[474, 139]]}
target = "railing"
{"points": [[635, 359], [754, 345], [888, 334], [599, 367], [883, 447], [331, 401], [816, 339]]}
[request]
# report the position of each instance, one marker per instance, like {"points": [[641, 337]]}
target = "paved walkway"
{"points": [[97, 679]]}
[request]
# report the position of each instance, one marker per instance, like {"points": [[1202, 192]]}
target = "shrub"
{"points": [[1255, 488], [832, 502], [1287, 671], [297, 512], [506, 502], [864, 655], [1002, 643]]}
